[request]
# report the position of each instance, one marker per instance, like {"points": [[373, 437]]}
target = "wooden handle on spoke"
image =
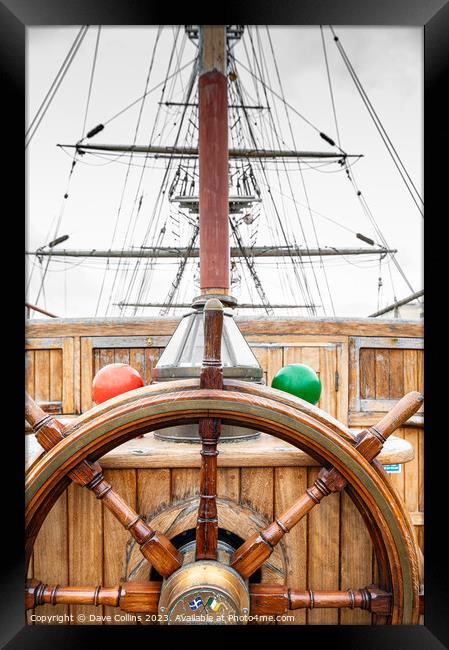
{"points": [[155, 547], [371, 440], [265, 598], [129, 596], [258, 548], [278, 599], [400, 413], [33, 413]]}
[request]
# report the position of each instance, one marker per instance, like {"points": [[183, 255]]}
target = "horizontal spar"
{"points": [[398, 303], [193, 151], [171, 252], [187, 305]]}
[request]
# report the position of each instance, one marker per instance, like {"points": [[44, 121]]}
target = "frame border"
{"points": [[433, 15]]}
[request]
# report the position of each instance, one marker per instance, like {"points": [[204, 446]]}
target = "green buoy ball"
{"points": [[300, 380]]}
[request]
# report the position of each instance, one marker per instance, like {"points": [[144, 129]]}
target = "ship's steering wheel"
{"points": [[196, 586]]}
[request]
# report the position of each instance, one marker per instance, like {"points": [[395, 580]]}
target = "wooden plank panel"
{"points": [[256, 489], [410, 370], [121, 355], [85, 534], [420, 370], [55, 378], [153, 490], [51, 553], [411, 472], [166, 327], [88, 369], [151, 358], [106, 357], [396, 374], [311, 357], [257, 492], [137, 360], [228, 483], [153, 494], [96, 361], [328, 367], [367, 374], [261, 355], [382, 363], [77, 375], [356, 552], [292, 355], [323, 551], [275, 361], [342, 356], [29, 372], [411, 475], [409, 490], [115, 537], [185, 483], [68, 398], [42, 375], [289, 484]]}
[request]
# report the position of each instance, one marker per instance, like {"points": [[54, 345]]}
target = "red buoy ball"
{"points": [[299, 380], [114, 379]]}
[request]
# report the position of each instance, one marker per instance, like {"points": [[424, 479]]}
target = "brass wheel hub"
{"points": [[204, 593]]}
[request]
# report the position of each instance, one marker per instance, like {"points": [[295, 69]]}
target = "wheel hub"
{"points": [[204, 593]]}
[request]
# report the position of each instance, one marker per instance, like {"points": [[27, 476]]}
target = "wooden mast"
{"points": [[213, 161], [214, 259]]}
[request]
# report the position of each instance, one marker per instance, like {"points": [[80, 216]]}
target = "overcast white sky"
{"points": [[389, 62]]}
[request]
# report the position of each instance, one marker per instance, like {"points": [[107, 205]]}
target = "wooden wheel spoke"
{"points": [[258, 548], [129, 596], [209, 431], [155, 547], [278, 599]]}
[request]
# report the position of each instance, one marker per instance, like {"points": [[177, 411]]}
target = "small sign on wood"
{"points": [[394, 468]]}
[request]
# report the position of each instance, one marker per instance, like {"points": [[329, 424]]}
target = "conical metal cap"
{"points": [[183, 358]]}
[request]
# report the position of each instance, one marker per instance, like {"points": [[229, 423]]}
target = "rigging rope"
{"points": [[161, 83], [351, 177], [56, 232], [55, 85], [274, 132], [136, 131], [146, 279], [255, 145], [270, 135], [292, 108], [92, 73], [253, 141], [330, 84], [301, 173], [152, 135], [379, 126]]}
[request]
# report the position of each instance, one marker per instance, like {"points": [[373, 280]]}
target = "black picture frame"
{"points": [[433, 16]]}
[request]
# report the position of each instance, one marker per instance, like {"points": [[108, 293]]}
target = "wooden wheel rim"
{"points": [[268, 410]]}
